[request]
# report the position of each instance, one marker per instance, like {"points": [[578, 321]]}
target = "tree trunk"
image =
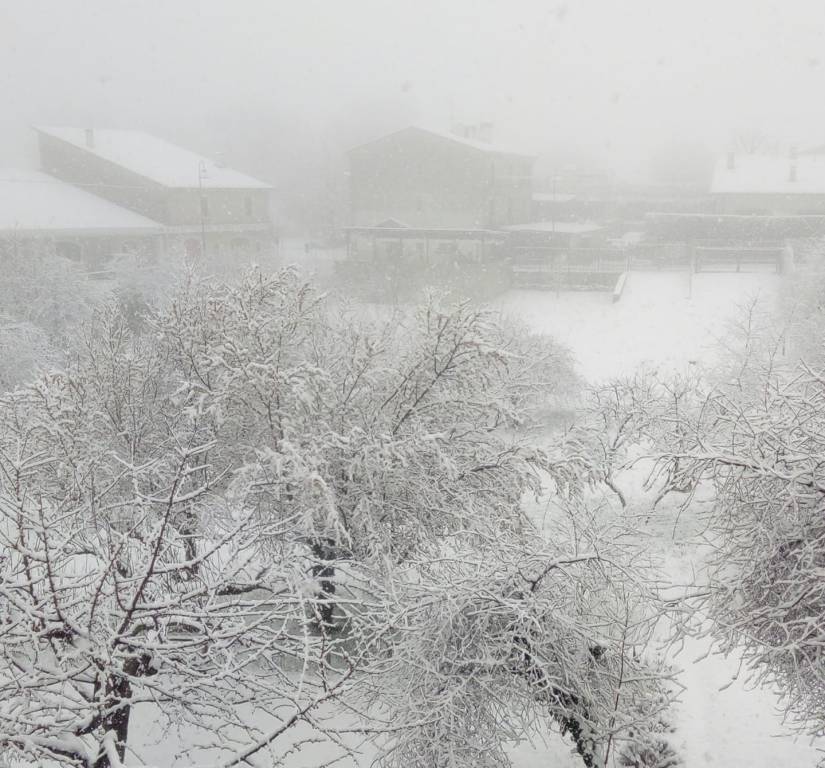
{"points": [[117, 705], [324, 550], [567, 708], [118, 694]]}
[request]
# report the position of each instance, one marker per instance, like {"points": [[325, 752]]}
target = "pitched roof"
{"points": [[482, 146], [556, 227], [31, 201], [154, 158], [769, 174], [391, 223]]}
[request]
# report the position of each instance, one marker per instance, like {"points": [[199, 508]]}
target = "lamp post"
{"points": [[202, 202]]}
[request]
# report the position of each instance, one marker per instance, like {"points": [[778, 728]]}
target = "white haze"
{"points": [[258, 78]]}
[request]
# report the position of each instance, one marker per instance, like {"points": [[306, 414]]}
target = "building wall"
{"points": [[90, 251], [226, 252], [425, 180], [223, 206], [766, 204]]}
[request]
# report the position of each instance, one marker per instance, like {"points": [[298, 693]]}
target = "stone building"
{"points": [[203, 207], [427, 179]]}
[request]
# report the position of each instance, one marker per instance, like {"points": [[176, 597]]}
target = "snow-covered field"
{"points": [[662, 319]]}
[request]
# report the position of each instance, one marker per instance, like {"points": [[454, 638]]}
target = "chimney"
{"points": [[731, 161], [90, 138], [485, 132], [792, 165]]}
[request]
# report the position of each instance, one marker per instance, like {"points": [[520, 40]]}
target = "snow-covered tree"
{"points": [[248, 506], [763, 453], [45, 289], [136, 575]]}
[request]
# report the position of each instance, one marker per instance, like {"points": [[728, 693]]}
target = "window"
{"points": [[247, 206]]}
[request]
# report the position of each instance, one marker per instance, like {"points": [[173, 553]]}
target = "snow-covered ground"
{"points": [[721, 721], [664, 318], [664, 321]]}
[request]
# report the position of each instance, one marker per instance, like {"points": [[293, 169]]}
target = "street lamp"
{"points": [[202, 174]]}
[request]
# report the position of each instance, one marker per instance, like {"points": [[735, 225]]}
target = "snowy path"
{"points": [[722, 720]]}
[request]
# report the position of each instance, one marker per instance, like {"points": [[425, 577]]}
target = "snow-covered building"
{"points": [[770, 185], [200, 203], [38, 210], [430, 205], [433, 179]]}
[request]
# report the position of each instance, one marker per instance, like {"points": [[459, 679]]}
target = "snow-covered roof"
{"points": [[558, 227], [483, 146], [154, 158], [31, 201], [769, 174]]}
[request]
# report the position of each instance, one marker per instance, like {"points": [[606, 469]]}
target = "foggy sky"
{"points": [[265, 80]]}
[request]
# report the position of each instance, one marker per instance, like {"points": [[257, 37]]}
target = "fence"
{"points": [[705, 256], [554, 267], [732, 258]]}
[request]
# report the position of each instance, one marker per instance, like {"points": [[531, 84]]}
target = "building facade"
{"points": [[769, 185], [426, 179]]}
